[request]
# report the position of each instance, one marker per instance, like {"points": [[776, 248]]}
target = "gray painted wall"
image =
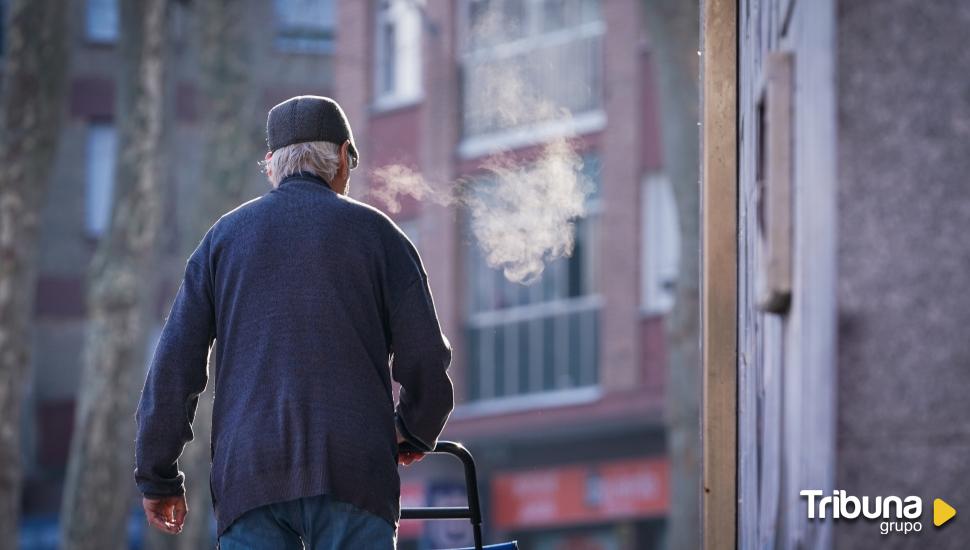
{"points": [[904, 260]]}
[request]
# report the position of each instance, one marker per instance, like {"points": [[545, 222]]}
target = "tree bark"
{"points": [[674, 39], [98, 489], [33, 92], [233, 131]]}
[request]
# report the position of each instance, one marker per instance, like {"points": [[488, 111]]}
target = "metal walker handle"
{"points": [[473, 511]]}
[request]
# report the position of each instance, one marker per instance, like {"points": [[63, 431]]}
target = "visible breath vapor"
{"points": [[396, 180], [522, 215], [525, 219]]}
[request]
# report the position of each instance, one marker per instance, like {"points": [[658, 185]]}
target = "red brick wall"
{"points": [[394, 138], [621, 175]]}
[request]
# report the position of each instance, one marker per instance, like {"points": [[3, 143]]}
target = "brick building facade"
{"points": [[559, 383]]}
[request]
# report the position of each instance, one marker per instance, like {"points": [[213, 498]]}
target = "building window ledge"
{"points": [[528, 402], [388, 103], [288, 45], [533, 134]]}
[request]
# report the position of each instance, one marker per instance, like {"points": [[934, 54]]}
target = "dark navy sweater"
{"points": [[315, 301]]}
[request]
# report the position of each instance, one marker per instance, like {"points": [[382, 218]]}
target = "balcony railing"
{"points": [[534, 349]]}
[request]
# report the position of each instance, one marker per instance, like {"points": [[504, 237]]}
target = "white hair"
{"points": [[317, 157]]}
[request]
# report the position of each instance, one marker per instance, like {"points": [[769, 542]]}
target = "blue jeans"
{"points": [[314, 523]]}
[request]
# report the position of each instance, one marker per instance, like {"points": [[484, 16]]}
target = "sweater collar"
{"points": [[305, 176]]}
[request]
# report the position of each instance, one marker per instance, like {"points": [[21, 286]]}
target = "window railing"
{"points": [[534, 349]]}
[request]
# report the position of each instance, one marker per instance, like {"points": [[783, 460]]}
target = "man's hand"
{"points": [[407, 455], [167, 514]]}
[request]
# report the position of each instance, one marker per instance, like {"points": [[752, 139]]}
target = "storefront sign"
{"points": [[588, 493]]}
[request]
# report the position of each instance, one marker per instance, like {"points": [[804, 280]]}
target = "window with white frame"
{"points": [[397, 49], [101, 21], [412, 228], [305, 26], [659, 245], [102, 152], [550, 49], [542, 337]]}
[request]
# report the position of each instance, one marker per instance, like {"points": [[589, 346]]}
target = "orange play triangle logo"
{"points": [[942, 512]]}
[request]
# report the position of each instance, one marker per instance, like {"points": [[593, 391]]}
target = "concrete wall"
{"points": [[904, 309]]}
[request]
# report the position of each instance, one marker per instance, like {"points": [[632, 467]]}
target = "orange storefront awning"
{"points": [[581, 494]]}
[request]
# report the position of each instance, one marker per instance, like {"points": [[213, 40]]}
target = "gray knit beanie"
{"points": [[309, 118]]}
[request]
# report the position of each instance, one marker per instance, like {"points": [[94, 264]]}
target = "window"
{"points": [[305, 26], [398, 53], [659, 245], [542, 337], [412, 228], [102, 147], [549, 49], [154, 335], [101, 21]]}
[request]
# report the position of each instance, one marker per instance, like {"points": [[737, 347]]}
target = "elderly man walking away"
{"points": [[315, 302]]}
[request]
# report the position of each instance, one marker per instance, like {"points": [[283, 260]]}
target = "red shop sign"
{"points": [[587, 493]]}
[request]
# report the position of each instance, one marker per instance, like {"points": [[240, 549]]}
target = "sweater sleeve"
{"points": [[176, 378], [421, 356]]}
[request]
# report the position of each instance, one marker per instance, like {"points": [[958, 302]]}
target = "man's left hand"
{"points": [[167, 514], [406, 456]]}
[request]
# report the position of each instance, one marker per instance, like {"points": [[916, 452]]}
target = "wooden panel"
{"points": [[786, 363], [719, 273], [774, 294]]}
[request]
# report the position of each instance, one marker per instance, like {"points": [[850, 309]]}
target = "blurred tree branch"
{"points": [[234, 130], [674, 39], [33, 91], [98, 490]]}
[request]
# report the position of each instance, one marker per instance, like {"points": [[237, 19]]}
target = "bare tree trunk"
{"points": [[34, 76], [674, 27], [98, 490], [234, 131]]}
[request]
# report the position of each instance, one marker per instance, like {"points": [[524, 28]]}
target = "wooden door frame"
{"points": [[719, 272]]}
